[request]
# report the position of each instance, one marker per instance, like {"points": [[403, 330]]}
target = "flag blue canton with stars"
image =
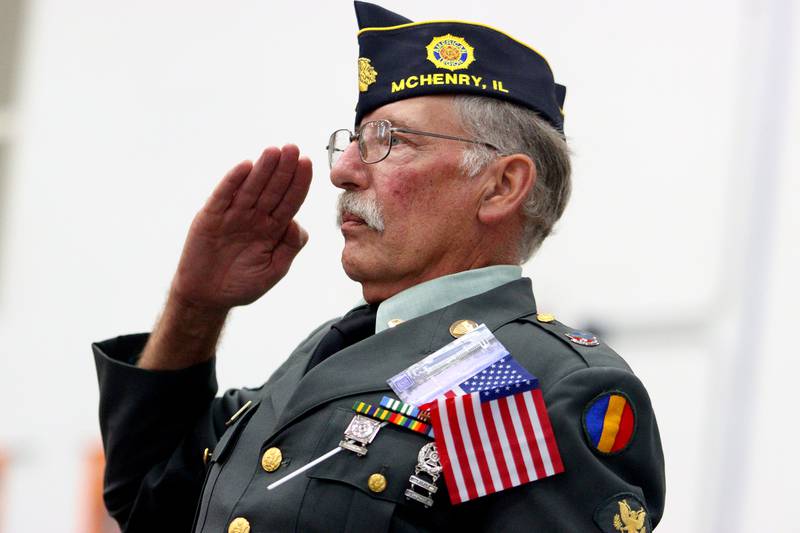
{"points": [[501, 379]]}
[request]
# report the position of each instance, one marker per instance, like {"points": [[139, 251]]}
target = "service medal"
{"points": [[428, 465], [360, 432]]}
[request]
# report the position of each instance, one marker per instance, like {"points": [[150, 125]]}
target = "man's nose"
{"points": [[349, 172]]}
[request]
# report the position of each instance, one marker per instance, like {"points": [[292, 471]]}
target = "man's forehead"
{"points": [[414, 112]]}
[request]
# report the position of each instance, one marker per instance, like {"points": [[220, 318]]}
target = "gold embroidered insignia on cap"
{"points": [[628, 520], [367, 75], [450, 52], [462, 327]]}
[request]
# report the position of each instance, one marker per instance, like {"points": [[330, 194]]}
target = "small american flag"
{"points": [[503, 378], [493, 433]]}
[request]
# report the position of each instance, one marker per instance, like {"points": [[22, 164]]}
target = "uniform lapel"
{"points": [[365, 366], [281, 390]]}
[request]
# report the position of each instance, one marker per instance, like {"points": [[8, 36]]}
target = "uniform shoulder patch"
{"points": [[623, 512], [609, 422]]}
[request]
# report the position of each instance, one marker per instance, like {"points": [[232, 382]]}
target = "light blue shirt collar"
{"points": [[441, 292]]}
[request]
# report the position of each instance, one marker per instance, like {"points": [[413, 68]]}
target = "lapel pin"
{"points": [[583, 338]]}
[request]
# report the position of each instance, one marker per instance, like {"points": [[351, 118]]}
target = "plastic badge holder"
{"points": [[447, 367]]}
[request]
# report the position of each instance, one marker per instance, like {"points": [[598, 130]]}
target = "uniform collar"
{"points": [[365, 366], [440, 292]]}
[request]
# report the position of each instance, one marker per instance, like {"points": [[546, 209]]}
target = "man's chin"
{"points": [[354, 262], [371, 287]]}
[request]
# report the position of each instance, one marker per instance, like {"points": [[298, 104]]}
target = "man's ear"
{"points": [[509, 180]]}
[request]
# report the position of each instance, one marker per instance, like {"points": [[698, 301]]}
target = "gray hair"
{"points": [[515, 129]]}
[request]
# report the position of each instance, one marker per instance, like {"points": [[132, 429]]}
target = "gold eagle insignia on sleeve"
{"points": [[628, 520]]}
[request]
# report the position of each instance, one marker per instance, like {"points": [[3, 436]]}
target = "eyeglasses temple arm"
{"points": [[443, 136]]}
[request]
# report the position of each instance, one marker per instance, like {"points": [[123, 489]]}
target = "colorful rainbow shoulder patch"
{"points": [[609, 422]]}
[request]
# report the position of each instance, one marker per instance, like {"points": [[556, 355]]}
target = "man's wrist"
{"points": [[192, 316], [185, 335]]}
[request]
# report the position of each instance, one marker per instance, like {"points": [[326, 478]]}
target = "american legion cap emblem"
{"points": [[450, 52]]}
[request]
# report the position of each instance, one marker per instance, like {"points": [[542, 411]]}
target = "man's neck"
{"points": [[434, 294], [482, 249], [376, 291]]}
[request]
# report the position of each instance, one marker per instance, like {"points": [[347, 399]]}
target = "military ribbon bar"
{"points": [[385, 415], [405, 408]]}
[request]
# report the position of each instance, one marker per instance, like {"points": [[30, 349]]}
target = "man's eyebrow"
{"points": [[400, 123], [396, 122]]}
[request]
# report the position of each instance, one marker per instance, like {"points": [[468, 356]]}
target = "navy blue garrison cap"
{"points": [[401, 59]]}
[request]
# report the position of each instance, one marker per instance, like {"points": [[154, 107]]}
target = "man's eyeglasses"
{"points": [[375, 140]]}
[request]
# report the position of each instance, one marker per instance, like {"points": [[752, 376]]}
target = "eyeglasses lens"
{"points": [[375, 140], [337, 144]]}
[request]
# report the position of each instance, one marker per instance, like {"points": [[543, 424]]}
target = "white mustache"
{"points": [[362, 205]]}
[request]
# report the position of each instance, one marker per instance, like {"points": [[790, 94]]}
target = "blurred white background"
{"points": [[680, 244]]}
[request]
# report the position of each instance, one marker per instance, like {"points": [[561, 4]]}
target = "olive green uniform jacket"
{"points": [[157, 425]]}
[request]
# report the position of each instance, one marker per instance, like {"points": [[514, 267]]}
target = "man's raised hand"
{"points": [[239, 246], [244, 239]]}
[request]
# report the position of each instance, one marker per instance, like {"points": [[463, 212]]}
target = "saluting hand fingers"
{"points": [[294, 195], [225, 191], [259, 178], [273, 192]]}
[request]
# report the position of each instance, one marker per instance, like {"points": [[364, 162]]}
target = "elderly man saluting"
{"points": [[446, 401]]}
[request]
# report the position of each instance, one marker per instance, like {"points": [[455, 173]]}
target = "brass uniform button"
{"points": [[377, 482], [271, 460], [239, 525], [394, 322], [206, 456], [462, 327], [545, 317]]}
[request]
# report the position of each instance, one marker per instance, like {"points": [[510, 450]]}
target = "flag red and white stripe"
{"points": [[489, 446]]}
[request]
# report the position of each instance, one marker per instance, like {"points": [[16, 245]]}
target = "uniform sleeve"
{"points": [[613, 462], [155, 426]]}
